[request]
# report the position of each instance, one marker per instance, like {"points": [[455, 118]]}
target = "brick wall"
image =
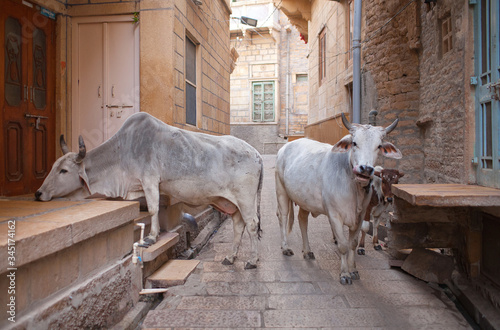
{"points": [[208, 27], [390, 80], [295, 63], [331, 96], [443, 105]]}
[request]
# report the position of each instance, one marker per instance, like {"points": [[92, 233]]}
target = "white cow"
{"points": [[331, 180], [147, 157]]}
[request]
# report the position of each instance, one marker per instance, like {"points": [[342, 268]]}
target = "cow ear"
{"points": [[401, 174], [389, 150], [343, 145], [84, 179]]}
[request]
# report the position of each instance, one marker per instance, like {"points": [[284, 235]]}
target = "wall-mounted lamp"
{"points": [[248, 21]]}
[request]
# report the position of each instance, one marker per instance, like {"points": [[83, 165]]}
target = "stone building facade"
{"points": [[271, 56]]}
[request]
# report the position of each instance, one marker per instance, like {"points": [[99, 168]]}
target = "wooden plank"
{"points": [[173, 272], [450, 195]]}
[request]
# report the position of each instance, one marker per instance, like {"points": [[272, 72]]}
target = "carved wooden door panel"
{"points": [[27, 118]]}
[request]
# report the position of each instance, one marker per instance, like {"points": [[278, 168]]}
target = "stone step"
{"points": [[165, 241], [173, 272]]}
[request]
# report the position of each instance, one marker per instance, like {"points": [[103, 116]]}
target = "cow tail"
{"points": [[291, 218], [259, 192]]}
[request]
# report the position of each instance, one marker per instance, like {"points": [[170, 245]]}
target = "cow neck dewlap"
{"points": [[104, 173]]}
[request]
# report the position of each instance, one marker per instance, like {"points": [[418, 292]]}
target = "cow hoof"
{"points": [[361, 252], [309, 256], [345, 280], [227, 262], [287, 252], [249, 265], [148, 241], [355, 275], [377, 247]]}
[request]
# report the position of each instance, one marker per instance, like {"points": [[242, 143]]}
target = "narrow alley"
{"points": [[290, 292]]}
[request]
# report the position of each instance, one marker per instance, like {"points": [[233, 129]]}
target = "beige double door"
{"points": [[105, 82]]}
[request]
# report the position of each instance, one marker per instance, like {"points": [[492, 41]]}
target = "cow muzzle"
{"points": [[363, 173]]}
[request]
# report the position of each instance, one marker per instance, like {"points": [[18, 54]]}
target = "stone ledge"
{"points": [[42, 229], [448, 195]]}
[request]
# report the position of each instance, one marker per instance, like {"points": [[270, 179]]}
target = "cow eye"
{"points": [[354, 144], [380, 146], [63, 171]]}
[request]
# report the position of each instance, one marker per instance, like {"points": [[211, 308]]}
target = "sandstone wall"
{"points": [[390, 80]]}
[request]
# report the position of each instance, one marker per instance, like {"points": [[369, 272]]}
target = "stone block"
{"points": [[93, 254], [120, 242], [429, 266], [173, 272]]}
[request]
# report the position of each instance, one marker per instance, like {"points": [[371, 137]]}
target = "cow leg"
{"points": [[284, 207], [361, 247], [353, 242], [252, 225], [342, 245], [152, 193], [306, 249], [376, 222], [238, 228]]}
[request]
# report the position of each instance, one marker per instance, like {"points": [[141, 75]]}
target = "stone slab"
{"points": [[202, 319], [173, 272], [164, 242], [49, 227], [448, 195], [429, 266]]}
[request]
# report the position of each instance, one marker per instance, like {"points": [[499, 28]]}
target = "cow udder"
{"points": [[224, 206]]}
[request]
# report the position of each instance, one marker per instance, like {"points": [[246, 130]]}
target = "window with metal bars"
{"points": [[263, 101]]}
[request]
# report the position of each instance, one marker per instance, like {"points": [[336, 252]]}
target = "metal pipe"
{"points": [[356, 63], [287, 97]]}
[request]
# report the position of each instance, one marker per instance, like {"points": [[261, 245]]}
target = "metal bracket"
{"points": [[37, 121], [495, 90], [473, 80]]}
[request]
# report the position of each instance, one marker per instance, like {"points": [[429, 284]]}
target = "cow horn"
{"points": [[64, 146], [346, 122], [82, 150], [392, 126]]}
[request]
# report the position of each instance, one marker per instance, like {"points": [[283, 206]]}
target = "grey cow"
{"points": [[331, 180], [147, 157]]}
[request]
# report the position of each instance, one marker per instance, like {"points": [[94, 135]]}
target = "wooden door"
{"points": [[105, 76], [27, 142]]}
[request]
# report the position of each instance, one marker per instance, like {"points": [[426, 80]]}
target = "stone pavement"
{"points": [[290, 292]]}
